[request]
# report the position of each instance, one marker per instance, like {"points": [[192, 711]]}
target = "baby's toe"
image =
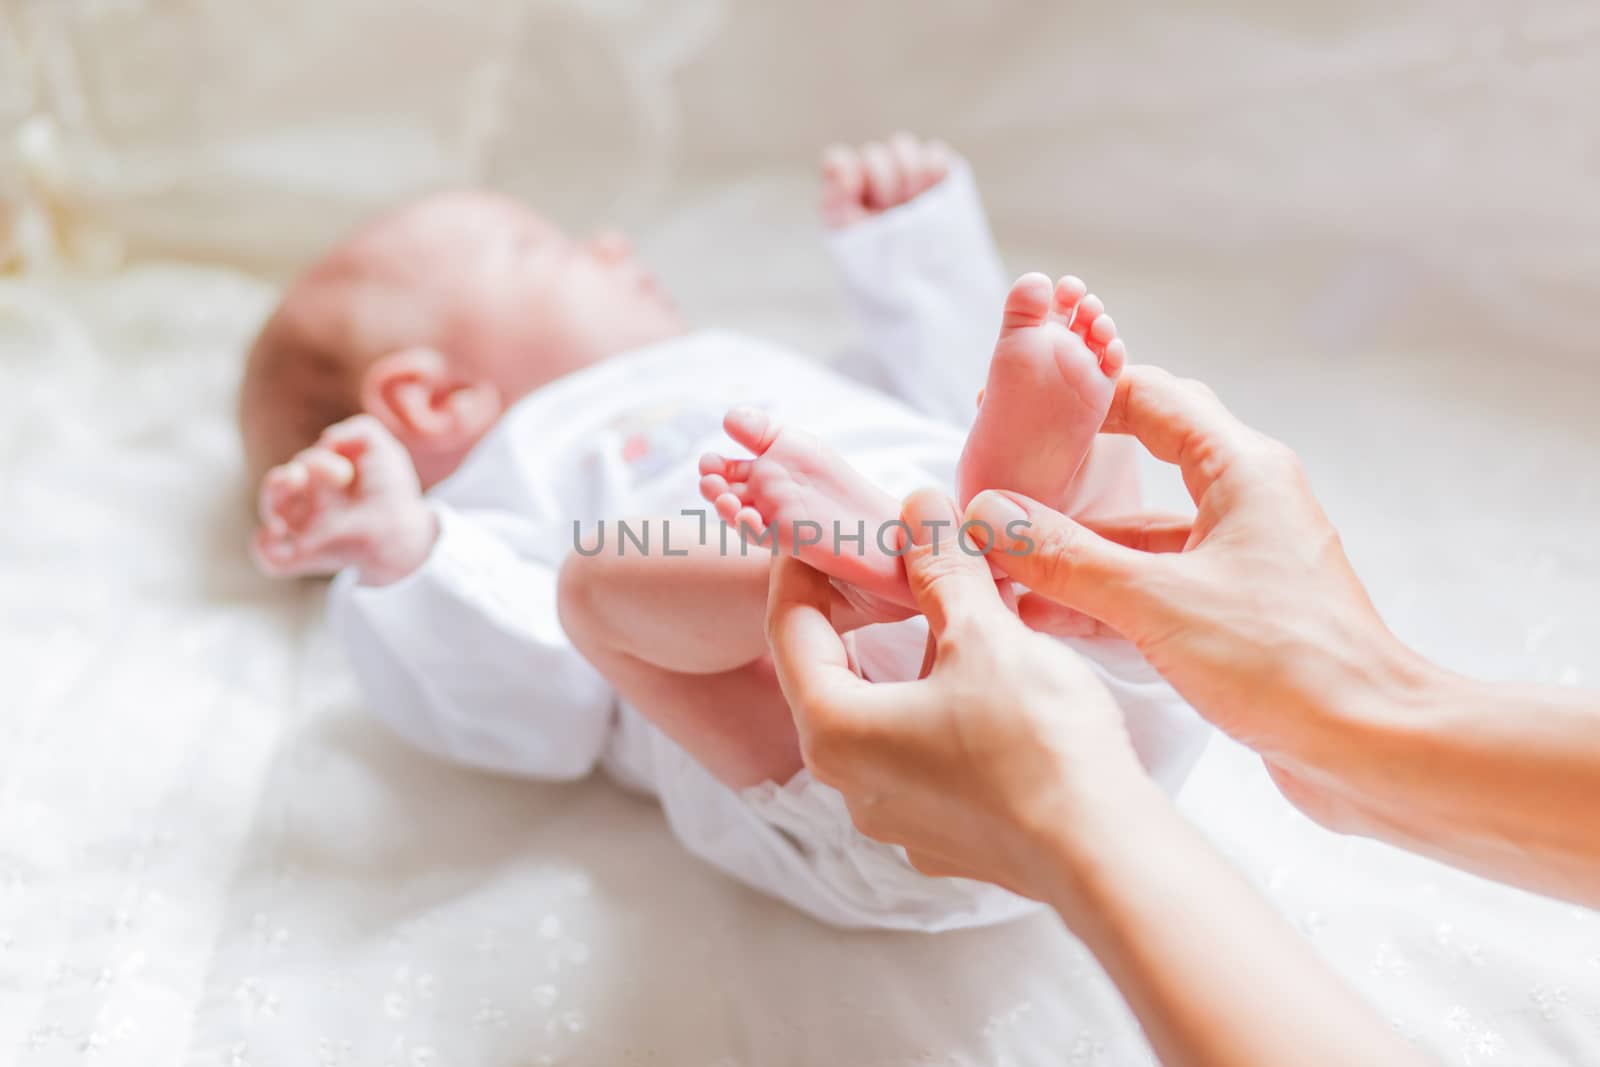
{"points": [[1028, 302], [750, 520], [1068, 294], [1114, 358], [1089, 309], [727, 506], [751, 427], [1100, 334], [712, 486]]}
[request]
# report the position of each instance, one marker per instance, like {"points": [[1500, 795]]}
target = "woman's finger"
{"points": [[1179, 422], [1144, 533], [812, 663], [1047, 617], [1059, 558], [949, 579]]}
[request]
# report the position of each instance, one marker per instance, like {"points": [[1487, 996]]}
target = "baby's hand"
{"points": [[858, 183], [352, 499]]}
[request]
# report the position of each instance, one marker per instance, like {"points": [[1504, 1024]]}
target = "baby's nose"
{"points": [[611, 246]]}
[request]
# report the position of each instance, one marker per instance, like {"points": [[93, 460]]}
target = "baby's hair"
{"points": [[296, 384], [304, 371]]}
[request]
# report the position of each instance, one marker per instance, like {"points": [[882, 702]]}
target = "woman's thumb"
{"points": [[1062, 560]]}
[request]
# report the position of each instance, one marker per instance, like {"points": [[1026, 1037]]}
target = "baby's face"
{"points": [[523, 303]]}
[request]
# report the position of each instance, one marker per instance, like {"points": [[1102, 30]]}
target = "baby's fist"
{"points": [[858, 183], [351, 499]]}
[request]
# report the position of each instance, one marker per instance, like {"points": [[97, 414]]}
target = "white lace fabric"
{"points": [[1373, 230]]}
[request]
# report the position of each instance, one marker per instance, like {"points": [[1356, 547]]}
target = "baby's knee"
{"points": [[591, 601]]}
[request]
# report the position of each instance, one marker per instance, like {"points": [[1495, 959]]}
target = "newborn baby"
{"points": [[494, 435]]}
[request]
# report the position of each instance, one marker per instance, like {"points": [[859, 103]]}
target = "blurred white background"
{"points": [[1427, 162], [1372, 226]]}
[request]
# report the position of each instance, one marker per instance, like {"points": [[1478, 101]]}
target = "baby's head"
{"points": [[435, 318]]}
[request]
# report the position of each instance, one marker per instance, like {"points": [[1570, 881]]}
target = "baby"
{"points": [[460, 401]]}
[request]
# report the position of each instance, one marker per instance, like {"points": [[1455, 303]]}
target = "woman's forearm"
{"points": [[1500, 779], [1215, 976]]}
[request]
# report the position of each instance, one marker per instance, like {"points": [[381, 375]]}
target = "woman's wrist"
{"points": [[1081, 843], [1349, 712], [1164, 914]]}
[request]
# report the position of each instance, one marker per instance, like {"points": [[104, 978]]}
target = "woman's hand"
{"points": [[1008, 750], [1250, 608], [1252, 611], [1008, 762]]}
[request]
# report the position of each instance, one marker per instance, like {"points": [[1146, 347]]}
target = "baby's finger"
{"points": [[267, 501], [326, 469], [906, 153], [841, 170], [282, 502], [287, 557], [927, 170], [883, 179], [843, 186], [352, 437], [936, 159], [338, 538], [269, 552]]}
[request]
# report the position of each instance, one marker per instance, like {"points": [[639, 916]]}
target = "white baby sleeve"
{"points": [[466, 657], [928, 286]]}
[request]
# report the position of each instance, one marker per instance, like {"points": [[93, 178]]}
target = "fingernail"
{"points": [[931, 516], [996, 509]]}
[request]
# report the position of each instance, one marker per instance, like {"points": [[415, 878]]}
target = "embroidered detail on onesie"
{"points": [[654, 439]]}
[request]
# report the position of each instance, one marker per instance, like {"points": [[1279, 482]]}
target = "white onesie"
{"points": [[466, 658]]}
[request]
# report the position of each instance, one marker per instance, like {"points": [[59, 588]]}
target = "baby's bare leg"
{"points": [[700, 613], [682, 639]]}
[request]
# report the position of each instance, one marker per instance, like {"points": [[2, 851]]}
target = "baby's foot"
{"points": [[800, 493], [858, 183], [1050, 382]]}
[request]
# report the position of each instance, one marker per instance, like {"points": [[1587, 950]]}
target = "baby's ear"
{"points": [[427, 405]]}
